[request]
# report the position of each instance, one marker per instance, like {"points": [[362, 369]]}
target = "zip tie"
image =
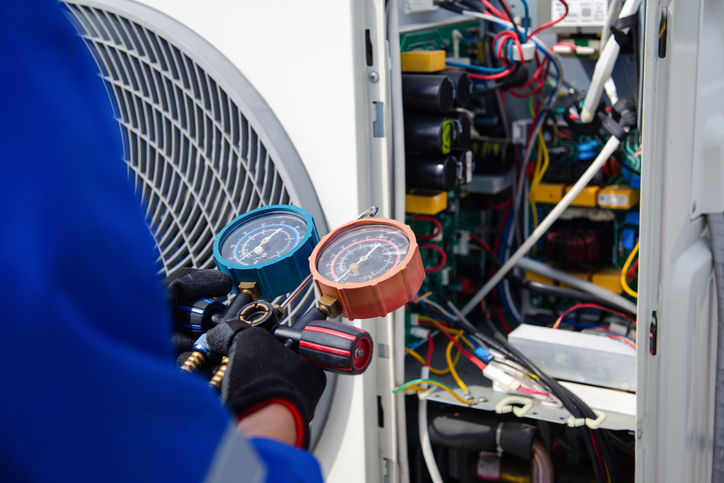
{"points": [[591, 423], [506, 405]]}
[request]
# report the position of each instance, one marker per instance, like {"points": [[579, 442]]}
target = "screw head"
{"points": [[374, 76], [482, 399], [640, 433], [359, 353]]}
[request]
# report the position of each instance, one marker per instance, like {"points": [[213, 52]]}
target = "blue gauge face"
{"points": [[264, 238]]}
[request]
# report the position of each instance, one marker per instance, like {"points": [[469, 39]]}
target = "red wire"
{"points": [[443, 257], [492, 9], [499, 75], [549, 24], [502, 205], [598, 455], [480, 241], [430, 349], [482, 365], [435, 223], [632, 271], [501, 228], [505, 325]]}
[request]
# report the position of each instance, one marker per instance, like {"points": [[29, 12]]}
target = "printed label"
{"points": [[446, 136], [581, 13], [488, 466], [607, 199]]}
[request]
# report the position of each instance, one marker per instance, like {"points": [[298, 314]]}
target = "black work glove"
{"points": [[261, 371], [187, 284]]}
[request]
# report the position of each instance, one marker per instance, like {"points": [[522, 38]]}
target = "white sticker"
{"points": [[581, 13], [606, 199], [489, 466]]}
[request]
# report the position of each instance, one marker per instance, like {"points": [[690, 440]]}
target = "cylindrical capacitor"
{"points": [[434, 173], [431, 135], [493, 156], [427, 93], [463, 87], [464, 124]]}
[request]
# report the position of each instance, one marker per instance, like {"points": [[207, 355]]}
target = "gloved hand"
{"points": [[261, 371], [186, 284]]}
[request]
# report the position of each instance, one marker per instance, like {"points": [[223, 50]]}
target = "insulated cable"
{"points": [[608, 149]]}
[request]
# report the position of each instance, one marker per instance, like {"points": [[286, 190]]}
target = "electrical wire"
{"points": [[553, 22], [590, 306], [415, 386], [622, 338], [443, 257], [624, 271], [570, 401], [608, 149], [437, 227]]}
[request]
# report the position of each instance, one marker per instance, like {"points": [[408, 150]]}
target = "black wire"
{"points": [[509, 14], [570, 401]]}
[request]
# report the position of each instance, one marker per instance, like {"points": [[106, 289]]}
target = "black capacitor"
{"points": [[427, 93], [463, 87], [493, 156], [431, 135], [434, 173], [464, 126]]}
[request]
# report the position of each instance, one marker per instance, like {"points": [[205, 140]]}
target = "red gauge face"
{"points": [[372, 267], [363, 253]]}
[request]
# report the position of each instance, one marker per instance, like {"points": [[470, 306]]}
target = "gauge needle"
{"points": [[354, 266], [263, 242]]}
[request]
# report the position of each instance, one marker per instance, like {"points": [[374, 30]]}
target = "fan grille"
{"points": [[194, 132], [194, 157]]}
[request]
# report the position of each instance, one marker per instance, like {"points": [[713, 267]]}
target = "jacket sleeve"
{"points": [[90, 389]]}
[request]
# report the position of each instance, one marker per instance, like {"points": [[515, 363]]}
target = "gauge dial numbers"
{"points": [[268, 245], [263, 240], [372, 267]]}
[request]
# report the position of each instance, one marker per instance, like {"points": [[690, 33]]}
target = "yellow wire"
{"points": [[624, 271], [439, 372], [452, 393], [541, 167], [450, 366]]}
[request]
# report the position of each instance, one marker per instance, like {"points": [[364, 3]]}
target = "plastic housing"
{"points": [[280, 275], [382, 295]]}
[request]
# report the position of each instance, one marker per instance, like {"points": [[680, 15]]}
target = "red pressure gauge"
{"points": [[371, 266]]}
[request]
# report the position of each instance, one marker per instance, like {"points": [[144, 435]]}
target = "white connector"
{"points": [[506, 382], [413, 6], [528, 52]]}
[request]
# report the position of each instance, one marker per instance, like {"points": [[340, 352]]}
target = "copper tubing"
{"points": [[541, 465]]}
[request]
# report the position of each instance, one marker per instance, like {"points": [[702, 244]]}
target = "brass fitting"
{"points": [[330, 306], [249, 288], [194, 361], [216, 380]]}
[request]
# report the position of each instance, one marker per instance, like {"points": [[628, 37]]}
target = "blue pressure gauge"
{"points": [[270, 245]]}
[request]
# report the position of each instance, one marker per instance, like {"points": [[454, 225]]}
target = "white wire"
{"points": [[425, 435], [604, 67], [438, 307], [573, 281], [608, 149]]}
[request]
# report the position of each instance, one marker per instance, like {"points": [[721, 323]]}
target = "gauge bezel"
{"points": [[379, 296], [231, 228], [279, 275]]}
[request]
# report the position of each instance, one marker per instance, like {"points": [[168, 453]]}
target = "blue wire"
{"points": [[525, 21], [477, 68], [501, 258]]}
